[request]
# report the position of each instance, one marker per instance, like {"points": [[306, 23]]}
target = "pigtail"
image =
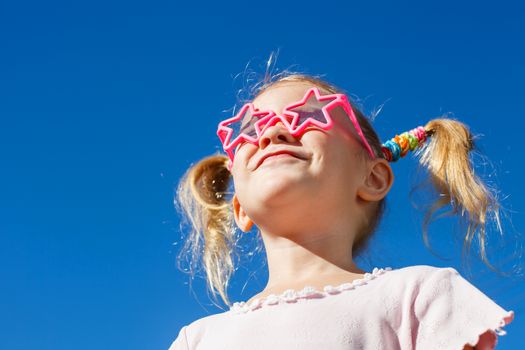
{"points": [[202, 197], [446, 157]]}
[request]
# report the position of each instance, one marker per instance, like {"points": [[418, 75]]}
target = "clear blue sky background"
{"points": [[105, 104]]}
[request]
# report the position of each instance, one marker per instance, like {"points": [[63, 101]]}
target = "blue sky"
{"points": [[104, 105]]}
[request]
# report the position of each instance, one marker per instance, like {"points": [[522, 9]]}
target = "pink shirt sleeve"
{"points": [[181, 343], [450, 313]]}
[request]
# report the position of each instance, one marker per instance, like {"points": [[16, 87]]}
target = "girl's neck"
{"points": [[318, 283], [315, 261]]}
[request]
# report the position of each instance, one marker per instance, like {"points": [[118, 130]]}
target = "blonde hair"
{"points": [[201, 192]]}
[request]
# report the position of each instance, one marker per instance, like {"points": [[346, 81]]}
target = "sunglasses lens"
{"points": [[249, 129], [244, 126], [310, 112]]}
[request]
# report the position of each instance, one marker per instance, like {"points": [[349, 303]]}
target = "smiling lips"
{"points": [[282, 153]]}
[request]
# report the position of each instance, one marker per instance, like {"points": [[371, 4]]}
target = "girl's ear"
{"points": [[241, 218], [377, 182]]}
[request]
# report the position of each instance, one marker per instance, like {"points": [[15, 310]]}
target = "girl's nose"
{"points": [[277, 133]]}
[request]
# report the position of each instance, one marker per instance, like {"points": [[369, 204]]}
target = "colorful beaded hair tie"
{"points": [[401, 144]]}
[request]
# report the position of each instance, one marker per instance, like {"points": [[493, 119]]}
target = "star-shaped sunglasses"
{"points": [[313, 110]]}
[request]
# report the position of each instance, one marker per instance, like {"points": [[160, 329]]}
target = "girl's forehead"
{"points": [[276, 98]]}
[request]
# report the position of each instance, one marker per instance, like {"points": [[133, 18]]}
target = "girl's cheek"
{"points": [[246, 150], [243, 153]]}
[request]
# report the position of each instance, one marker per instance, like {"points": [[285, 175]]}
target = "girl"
{"points": [[311, 173]]}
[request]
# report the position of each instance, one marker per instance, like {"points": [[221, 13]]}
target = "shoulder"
{"points": [[191, 333], [196, 328], [207, 321], [418, 271], [422, 283], [432, 286], [425, 282], [416, 276]]}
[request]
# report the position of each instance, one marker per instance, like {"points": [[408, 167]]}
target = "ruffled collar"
{"points": [[291, 295]]}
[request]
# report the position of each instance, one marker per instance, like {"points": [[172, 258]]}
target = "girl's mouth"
{"points": [[278, 155]]}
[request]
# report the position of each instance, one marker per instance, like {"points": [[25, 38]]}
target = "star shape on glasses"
{"points": [[241, 127], [313, 109]]}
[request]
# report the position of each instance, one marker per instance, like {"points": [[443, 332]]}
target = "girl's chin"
{"points": [[276, 189]]}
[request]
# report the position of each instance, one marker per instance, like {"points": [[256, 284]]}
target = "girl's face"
{"points": [[320, 168]]}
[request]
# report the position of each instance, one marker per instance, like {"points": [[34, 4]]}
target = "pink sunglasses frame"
{"points": [[270, 118]]}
